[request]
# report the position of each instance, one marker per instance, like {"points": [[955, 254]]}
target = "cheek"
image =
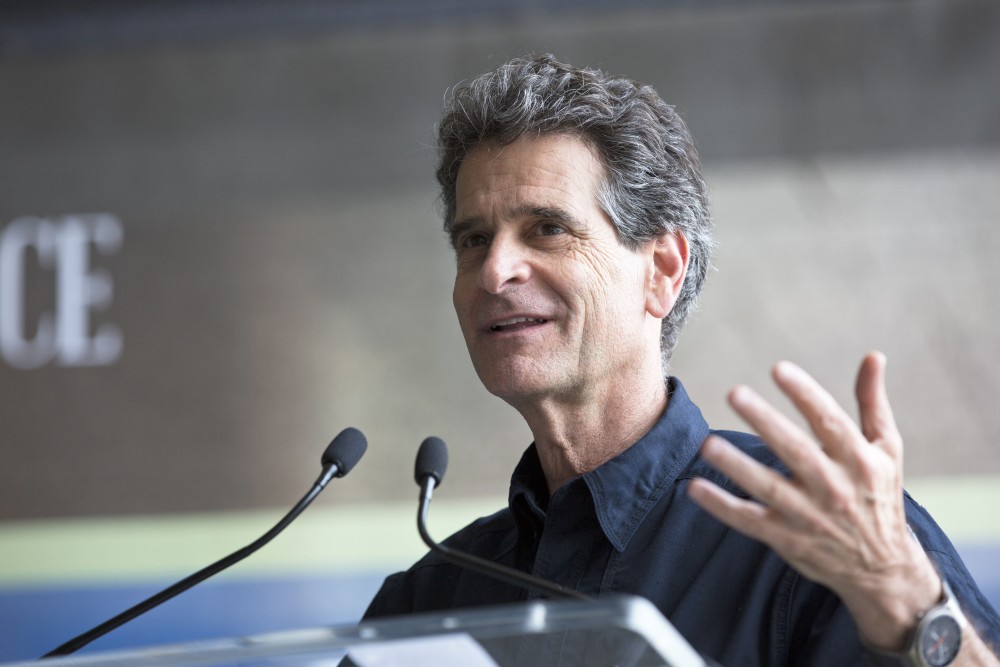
{"points": [[614, 282], [585, 274], [462, 299], [617, 298], [457, 298]]}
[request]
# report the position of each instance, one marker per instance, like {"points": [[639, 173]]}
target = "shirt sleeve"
{"points": [[942, 552]]}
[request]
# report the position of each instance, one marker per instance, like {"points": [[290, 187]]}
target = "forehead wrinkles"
{"points": [[531, 172]]}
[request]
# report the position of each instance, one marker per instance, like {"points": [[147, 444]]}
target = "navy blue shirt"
{"points": [[629, 527]]}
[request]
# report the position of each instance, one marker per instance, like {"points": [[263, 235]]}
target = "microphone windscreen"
{"points": [[432, 460], [345, 450]]}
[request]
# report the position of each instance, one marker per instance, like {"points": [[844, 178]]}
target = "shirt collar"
{"points": [[529, 490], [625, 488]]}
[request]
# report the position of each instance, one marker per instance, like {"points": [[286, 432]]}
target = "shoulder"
{"points": [[428, 584], [951, 567], [485, 537], [749, 444]]}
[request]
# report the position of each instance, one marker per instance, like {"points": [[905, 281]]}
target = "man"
{"points": [[578, 215]]}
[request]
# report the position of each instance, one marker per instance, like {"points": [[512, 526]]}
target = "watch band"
{"points": [[935, 641]]}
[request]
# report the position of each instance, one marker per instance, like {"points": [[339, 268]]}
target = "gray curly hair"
{"points": [[653, 183]]}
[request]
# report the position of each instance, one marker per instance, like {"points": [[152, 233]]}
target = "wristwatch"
{"points": [[934, 643]]}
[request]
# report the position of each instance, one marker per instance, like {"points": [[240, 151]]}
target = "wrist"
{"points": [[934, 640], [888, 610]]}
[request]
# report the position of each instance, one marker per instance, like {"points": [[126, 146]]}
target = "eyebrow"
{"points": [[456, 229], [553, 213]]}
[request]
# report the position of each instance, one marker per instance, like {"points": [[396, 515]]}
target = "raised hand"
{"points": [[839, 518]]}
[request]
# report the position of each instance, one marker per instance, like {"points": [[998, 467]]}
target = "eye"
{"points": [[473, 241], [550, 229]]}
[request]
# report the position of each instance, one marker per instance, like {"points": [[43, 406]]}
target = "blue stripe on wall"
{"points": [[36, 619]]}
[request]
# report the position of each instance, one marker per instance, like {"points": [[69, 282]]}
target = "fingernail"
{"points": [[741, 395], [696, 490], [786, 370], [713, 445]]}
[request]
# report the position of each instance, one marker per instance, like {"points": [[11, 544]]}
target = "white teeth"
{"points": [[516, 320]]}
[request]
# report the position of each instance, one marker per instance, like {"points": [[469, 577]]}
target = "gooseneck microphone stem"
{"points": [[198, 577], [340, 456], [505, 574]]}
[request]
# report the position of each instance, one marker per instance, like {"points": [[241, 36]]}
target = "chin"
{"points": [[508, 388], [516, 382]]}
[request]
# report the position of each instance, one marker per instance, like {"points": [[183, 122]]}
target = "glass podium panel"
{"points": [[624, 631]]}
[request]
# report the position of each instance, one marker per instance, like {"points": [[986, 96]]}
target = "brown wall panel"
{"points": [[281, 275]]}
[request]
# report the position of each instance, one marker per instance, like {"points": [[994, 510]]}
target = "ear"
{"points": [[665, 274]]}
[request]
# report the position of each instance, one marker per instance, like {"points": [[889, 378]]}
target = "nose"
{"points": [[506, 264]]}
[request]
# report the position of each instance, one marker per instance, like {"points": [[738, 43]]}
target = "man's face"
{"points": [[550, 303]]}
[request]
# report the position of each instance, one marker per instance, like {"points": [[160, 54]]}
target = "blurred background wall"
{"points": [[219, 246]]}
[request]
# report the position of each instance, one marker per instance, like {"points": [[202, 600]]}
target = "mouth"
{"points": [[516, 324]]}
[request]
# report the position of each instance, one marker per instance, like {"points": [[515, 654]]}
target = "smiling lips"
{"points": [[516, 323]]}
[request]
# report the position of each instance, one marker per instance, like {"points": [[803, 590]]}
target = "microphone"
{"points": [[340, 456], [432, 461]]}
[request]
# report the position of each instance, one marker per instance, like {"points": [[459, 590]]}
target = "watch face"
{"points": [[940, 641]]}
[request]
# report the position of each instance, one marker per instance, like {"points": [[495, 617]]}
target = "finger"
{"points": [[877, 422], [764, 484], [745, 516], [791, 444], [834, 428]]}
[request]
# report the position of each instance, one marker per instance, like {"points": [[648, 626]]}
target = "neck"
{"points": [[576, 436]]}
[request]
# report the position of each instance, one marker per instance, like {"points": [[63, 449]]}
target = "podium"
{"points": [[621, 631]]}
